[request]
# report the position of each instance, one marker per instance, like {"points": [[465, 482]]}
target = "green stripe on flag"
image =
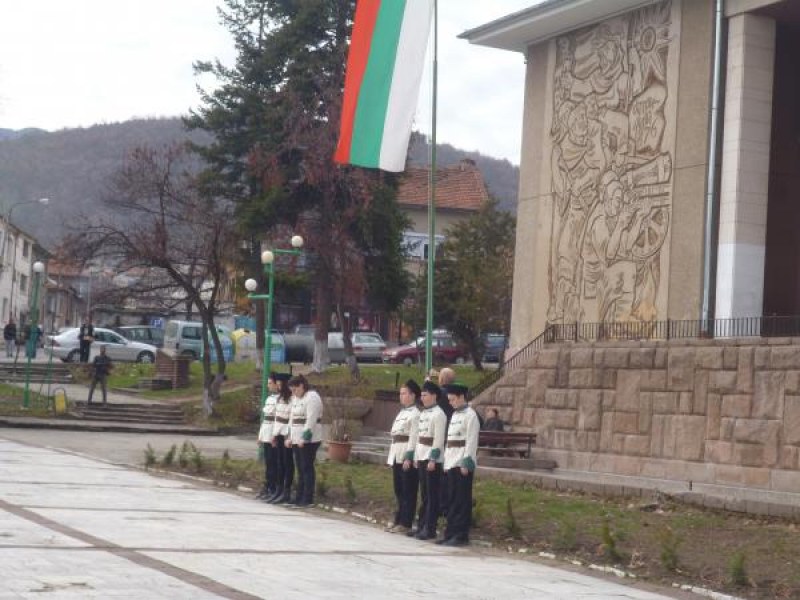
{"points": [[373, 100]]}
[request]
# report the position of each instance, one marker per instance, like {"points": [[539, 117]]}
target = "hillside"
{"points": [[71, 167]]}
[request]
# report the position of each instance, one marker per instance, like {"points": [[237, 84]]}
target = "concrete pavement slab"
{"points": [[78, 528]]}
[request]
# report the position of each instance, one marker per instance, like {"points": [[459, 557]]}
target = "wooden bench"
{"points": [[507, 442]]}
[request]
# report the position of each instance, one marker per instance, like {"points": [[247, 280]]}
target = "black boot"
{"points": [[284, 498], [272, 498]]}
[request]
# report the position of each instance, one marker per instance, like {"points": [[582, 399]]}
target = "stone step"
{"points": [[136, 406], [100, 414], [35, 378]]}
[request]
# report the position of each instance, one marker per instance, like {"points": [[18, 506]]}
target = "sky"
{"points": [[84, 62]]}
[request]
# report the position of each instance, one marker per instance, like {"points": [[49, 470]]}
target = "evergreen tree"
{"points": [[274, 118]]}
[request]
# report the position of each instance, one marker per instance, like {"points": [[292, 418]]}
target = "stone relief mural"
{"points": [[611, 169]]}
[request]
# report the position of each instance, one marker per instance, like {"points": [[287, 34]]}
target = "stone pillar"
{"points": [[745, 166]]}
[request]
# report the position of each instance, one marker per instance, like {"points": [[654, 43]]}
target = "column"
{"points": [[745, 166]]}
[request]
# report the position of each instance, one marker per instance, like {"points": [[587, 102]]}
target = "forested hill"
{"points": [[71, 167]]}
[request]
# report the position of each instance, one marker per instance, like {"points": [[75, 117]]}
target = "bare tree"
{"points": [[171, 237]]}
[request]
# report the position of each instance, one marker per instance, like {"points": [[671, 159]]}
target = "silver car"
{"points": [[66, 346], [367, 346]]}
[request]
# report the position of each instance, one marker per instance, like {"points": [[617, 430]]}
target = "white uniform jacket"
{"points": [[404, 435], [268, 419], [283, 410], [305, 418], [461, 449], [431, 434]]}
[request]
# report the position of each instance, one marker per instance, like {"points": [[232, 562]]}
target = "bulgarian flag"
{"points": [[384, 69]]}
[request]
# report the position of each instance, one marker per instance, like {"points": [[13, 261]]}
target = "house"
{"points": [[18, 251]]}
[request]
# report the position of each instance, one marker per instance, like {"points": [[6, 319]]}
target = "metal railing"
{"points": [[771, 326]]}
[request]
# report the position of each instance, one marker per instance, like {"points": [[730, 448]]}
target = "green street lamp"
{"points": [[33, 337], [251, 285]]}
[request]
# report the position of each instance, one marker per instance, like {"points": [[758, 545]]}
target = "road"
{"points": [[75, 526]]}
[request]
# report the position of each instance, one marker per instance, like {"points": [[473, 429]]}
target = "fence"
{"points": [[771, 326]]}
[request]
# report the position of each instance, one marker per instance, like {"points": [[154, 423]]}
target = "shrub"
{"points": [[737, 573], [350, 490], [669, 542], [609, 539], [150, 457], [512, 526], [169, 457]]}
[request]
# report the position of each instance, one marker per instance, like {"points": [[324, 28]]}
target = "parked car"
{"points": [[66, 346], [367, 346], [495, 345], [185, 338], [300, 345], [445, 350], [142, 333]]}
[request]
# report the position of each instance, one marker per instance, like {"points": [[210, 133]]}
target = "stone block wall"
{"points": [[708, 411]]}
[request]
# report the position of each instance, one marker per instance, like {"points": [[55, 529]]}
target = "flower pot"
{"points": [[339, 451]]}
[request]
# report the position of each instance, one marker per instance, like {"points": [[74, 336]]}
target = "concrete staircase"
{"points": [[161, 414], [55, 373]]}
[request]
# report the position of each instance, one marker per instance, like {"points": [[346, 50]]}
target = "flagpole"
{"points": [[432, 196]]}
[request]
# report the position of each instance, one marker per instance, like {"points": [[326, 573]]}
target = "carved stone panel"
{"points": [[611, 145]]}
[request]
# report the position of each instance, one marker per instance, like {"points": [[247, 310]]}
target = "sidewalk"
{"points": [[75, 527]]}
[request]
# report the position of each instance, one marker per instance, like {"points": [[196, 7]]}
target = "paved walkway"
{"points": [[75, 527]]}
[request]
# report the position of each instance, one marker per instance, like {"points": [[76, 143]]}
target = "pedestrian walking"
{"points": [[86, 337], [429, 454], [265, 438], [401, 458], [101, 367], [10, 337], [460, 461], [284, 457], [305, 437]]}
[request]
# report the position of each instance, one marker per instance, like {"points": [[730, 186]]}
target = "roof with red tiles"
{"points": [[458, 187]]}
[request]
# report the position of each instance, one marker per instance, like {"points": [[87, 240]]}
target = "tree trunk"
{"points": [[321, 357], [347, 339]]}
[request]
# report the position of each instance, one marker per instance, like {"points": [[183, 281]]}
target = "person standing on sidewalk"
{"points": [[86, 337], [10, 337], [284, 459], [265, 438], [429, 455], [460, 460], [101, 367], [401, 458], [305, 438]]}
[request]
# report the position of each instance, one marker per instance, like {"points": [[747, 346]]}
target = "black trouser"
{"points": [[459, 504], [284, 464], [406, 484], [84, 350], [95, 380], [304, 459], [270, 467], [430, 483]]}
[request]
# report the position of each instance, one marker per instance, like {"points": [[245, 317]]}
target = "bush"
{"points": [[150, 457], [169, 457], [669, 542], [737, 572], [610, 542]]}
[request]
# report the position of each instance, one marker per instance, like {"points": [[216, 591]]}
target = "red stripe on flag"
{"points": [[360, 43]]}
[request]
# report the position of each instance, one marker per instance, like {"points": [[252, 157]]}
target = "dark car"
{"points": [[495, 345], [142, 333], [445, 351]]}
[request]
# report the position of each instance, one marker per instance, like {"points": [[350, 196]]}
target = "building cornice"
{"points": [[549, 19]]}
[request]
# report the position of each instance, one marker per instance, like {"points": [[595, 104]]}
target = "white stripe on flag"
{"points": [[404, 93]]}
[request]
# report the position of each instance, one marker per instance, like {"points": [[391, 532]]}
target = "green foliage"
{"points": [[737, 571], [566, 538], [512, 526], [185, 454], [169, 457], [473, 279], [609, 542], [350, 490], [197, 460], [150, 457], [669, 541]]}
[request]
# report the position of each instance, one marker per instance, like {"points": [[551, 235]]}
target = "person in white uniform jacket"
{"points": [[265, 439], [460, 461], [401, 458], [284, 460], [428, 458], [305, 436]]}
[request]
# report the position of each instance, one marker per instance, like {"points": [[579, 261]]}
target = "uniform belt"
{"points": [[399, 438], [281, 420], [269, 419], [298, 421], [456, 443], [426, 441]]}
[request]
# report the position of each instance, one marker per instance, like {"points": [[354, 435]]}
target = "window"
{"points": [[192, 333], [23, 283], [26, 248]]}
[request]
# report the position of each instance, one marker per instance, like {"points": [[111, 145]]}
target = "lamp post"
{"points": [[33, 336], [268, 260], [7, 219]]}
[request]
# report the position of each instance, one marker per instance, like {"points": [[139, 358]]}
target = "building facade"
{"points": [[18, 251], [659, 160]]}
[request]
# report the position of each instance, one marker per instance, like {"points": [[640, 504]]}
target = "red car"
{"points": [[445, 351]]}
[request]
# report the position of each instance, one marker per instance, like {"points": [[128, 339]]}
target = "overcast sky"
{"points": [[80, 62]]}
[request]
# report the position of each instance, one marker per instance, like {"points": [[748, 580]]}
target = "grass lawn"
{"points": [[12, 398], [663, 542]]}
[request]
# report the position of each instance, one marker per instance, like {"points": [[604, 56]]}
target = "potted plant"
{"points": [[339, 432]]}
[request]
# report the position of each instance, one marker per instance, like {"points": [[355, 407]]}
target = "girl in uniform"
{"points": [[284, 461], [265, 439], [401, 458], [305, 437]]}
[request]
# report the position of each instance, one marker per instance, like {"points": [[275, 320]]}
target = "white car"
{"points": [[66, 346]]}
